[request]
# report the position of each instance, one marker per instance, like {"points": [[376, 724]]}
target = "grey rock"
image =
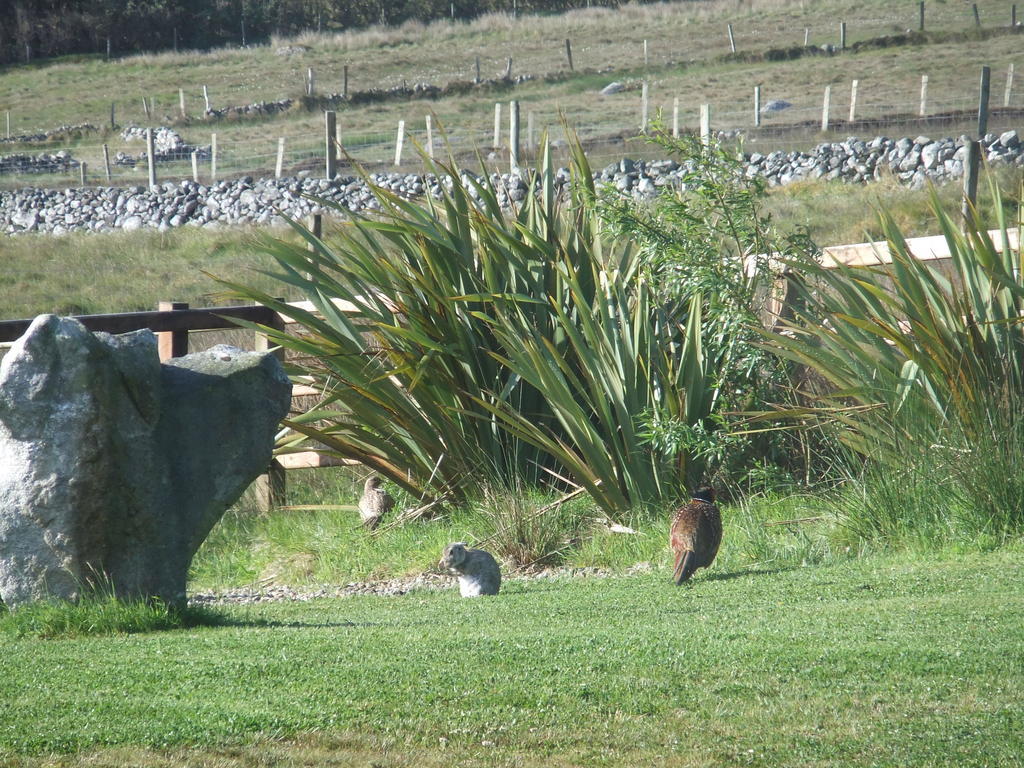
{"points": [[611, 88], [113, 466]]}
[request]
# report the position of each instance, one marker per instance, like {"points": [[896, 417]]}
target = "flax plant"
{"points": [[923, 369], [455, 344]]}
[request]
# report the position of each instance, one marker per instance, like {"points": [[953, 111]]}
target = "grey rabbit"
{"points": [[477, 570]]}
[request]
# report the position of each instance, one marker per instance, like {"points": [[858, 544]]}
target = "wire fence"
{"points": [[786, 121], [796, 127]]}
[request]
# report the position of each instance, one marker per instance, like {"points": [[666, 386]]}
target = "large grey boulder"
{"points": [[113, 466]]}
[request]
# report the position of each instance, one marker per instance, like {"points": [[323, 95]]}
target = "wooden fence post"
{"points": [[853, 100], [430, 136], [920, 16], [675, 117], [279, 165], [732, 39], [513, 136], [310, 82], [195, 166], [151, 157], [8, 123], [106, 162], [705, 124], [644, 105], [399, 141], [972, 163], [977, 16], [530, 145], [497, 125], [842, 35], [825, 104], [646, 60], [171, 343], [1013, 15], [986, 79], [924, 96], [181, 103], [568, 53], [330, 153], [807, 36], [213, 156], [344, 81], [316, 227], [82, 169], [145, 107], [508, 68], [113, 124], [476, 79], [206, 98], [1009, 85], [757, 106], [271, 488]]}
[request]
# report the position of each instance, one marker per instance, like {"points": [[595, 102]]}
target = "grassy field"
{"points": [[878, 661], [685, 44]]}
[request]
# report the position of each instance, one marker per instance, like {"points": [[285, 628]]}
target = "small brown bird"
{"points": [[374, 503], [695, 534]]}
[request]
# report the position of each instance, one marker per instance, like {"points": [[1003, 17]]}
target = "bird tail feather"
{"points": [[685, 567]]}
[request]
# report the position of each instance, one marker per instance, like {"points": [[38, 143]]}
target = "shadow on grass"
{"points": [[750, 572]]}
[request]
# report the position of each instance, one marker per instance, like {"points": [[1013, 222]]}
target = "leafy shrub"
{"points": [[711, 241]]}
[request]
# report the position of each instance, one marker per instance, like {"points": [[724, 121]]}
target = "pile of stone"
{"points": [[395, 93], [267, 201], [258, 108], [55, 133], [912, 161], [46, 162], [167, 145]]}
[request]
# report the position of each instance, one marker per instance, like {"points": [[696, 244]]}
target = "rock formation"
{"points": [[113, 466]]}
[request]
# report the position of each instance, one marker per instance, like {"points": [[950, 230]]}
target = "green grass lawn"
{"points": [[877, 661]]}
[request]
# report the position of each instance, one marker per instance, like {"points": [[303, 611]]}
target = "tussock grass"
{"points": [[100, 614]]}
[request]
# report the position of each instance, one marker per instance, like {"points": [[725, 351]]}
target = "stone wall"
{"points": [[263, 201]]}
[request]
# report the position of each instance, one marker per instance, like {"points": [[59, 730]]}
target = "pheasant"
{"points": [[695, 534], [374, 503]]}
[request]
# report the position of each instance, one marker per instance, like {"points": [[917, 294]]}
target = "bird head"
{"points": [[705, 493]]}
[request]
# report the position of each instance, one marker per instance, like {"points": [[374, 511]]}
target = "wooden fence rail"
{"points": [[172, 325]]}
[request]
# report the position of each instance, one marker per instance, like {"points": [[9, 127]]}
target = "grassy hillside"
{"points": [[877, 661], [686, 58]]}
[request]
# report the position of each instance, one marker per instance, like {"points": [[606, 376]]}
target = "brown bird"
{"points": [[374, 503], [695, 534]]}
